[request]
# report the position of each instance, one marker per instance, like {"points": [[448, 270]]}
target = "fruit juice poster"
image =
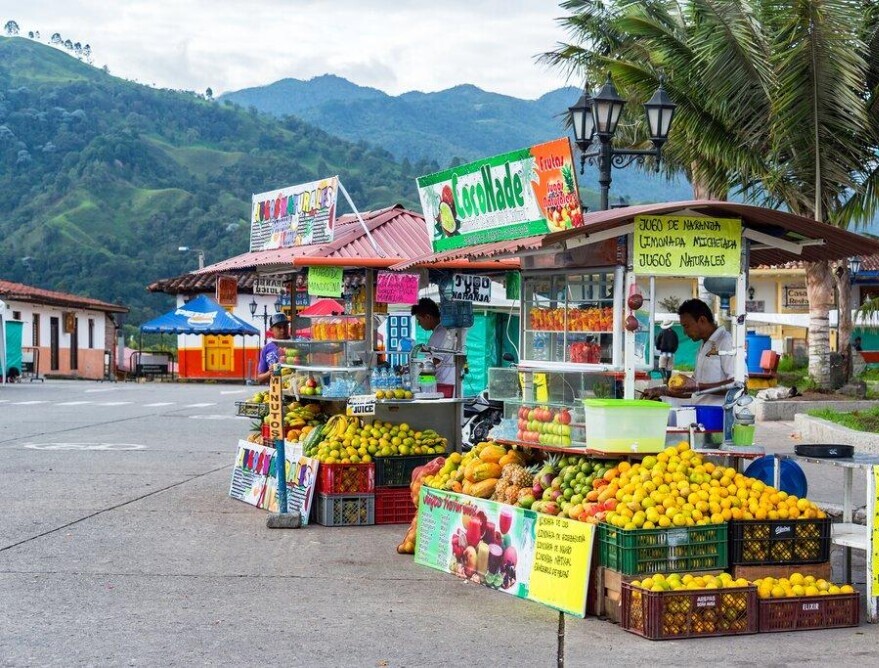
{"points": [[513, 550], [250, 472], [394, 288], [294, 216], [301, 475], [529, 192]]}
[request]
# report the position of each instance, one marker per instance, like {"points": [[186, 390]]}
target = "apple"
{"points": [[565, 416]]}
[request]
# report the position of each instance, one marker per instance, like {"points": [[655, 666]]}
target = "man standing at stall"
{"points": [[666, 346], [715, 363], [427, 315], [270, 353]]}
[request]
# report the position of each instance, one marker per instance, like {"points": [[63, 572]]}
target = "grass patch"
{"points": [[860, 420]]}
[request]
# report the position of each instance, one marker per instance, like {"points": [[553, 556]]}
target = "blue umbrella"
{"points": [[201, 315]]}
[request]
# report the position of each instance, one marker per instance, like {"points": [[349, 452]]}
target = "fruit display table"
{"points": [[847, 534]]}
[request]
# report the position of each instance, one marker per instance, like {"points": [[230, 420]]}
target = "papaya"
{"points": [[492, 453], [484, 471], [484, 489], [512, 457]]}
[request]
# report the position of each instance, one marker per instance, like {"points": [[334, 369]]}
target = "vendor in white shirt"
{"points": [[427, 315], [712, 368]]}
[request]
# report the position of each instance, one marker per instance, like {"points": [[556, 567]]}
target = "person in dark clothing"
{"points": [[666, 346]]}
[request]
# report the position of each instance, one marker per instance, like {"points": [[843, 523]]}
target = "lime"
{"points": [[447, 218]]}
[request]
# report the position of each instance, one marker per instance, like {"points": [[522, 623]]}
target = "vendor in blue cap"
{"points": [[270, 353]]}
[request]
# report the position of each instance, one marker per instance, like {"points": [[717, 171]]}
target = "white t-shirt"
{"points": [[445, 370], [713, 368]]}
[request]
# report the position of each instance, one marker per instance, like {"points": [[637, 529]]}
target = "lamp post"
{"points": [[600, 115], [187, 249], [854, 266], [265, 313]]}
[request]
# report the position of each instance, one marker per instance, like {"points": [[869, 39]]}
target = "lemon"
{"points": [[846, 589]]}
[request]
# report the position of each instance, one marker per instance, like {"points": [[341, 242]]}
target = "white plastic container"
{"points": [[625, 425]]}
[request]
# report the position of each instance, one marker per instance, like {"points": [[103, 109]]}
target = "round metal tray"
{"points": [[824, 450]]}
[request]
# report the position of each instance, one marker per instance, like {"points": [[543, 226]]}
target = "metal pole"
{"points": [[604, 167], [560, 652]]}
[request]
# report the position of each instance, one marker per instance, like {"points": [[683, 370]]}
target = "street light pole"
{"points": [[600, 115], [184, 249]]}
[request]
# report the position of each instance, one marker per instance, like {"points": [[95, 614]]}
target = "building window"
{"points": [[91, 332], [16, 315], [74, 344], [36, 330]]}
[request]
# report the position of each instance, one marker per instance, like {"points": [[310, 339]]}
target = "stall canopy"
{"points": [[201, 315], [776, 236], [323, 307]]}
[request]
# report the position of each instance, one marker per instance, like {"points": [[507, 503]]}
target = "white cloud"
{"points": [[231, 44]]}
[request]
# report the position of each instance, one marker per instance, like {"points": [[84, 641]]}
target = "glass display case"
{"points": [[305, 352], [570, 317], [545, 407], [325, 382]]}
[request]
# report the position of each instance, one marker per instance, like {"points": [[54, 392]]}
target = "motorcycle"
{"points": [[480, 415]]}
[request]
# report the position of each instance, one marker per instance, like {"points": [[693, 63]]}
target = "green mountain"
{"points": [[101, 179], [455, 125]]}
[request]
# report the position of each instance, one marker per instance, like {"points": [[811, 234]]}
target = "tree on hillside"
{"points": [[775, 100], [30, 34], [77, 50], [11, 28], [37, 34], [209, 93], [56, 38], [68, 45]]}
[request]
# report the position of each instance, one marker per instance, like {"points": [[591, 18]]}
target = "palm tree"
{"points": [[775, 101]]}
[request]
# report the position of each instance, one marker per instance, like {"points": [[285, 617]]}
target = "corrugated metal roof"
{"points": [[196, 283], [29, 293], [838, 243], [398, 233]]}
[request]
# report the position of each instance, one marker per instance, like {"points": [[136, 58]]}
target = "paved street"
{"points": [[120, 546]]}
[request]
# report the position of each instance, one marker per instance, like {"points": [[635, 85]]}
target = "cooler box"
{"points": [[625, 425]]}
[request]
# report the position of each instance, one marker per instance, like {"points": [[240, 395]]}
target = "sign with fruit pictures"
{"points": [[516, 551], [295, 216], [301, 477], [687, 246], [529, 192], [250, 472]]}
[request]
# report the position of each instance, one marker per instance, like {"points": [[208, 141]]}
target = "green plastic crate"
{"points": [[640, 551]]}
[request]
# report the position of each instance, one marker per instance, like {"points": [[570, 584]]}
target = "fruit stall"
{"points": [[584, 500]]}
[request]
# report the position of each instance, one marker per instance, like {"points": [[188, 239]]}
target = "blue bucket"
{"points": [[710, 417], [793, 480]]}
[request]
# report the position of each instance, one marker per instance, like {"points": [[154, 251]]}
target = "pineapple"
{"points": [[500, 489], [568, 184], [519, 475]]}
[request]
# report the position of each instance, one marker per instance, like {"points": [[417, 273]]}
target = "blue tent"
{"points": [[201, 315]]}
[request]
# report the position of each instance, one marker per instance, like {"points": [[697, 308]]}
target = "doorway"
{"points": [[219, 353], [54, 333]]}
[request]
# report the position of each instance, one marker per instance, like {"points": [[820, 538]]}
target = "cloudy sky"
{"points": [[393, 45]]}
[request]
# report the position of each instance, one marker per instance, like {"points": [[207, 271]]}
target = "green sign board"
{"points": [[687, 246], [523, 193], [325, 281]]}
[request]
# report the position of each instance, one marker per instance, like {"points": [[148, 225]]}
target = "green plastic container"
{"points": [[678, 550], [625, 425]]}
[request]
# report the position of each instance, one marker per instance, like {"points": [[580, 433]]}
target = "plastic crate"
{"points": [[345, 511], [393, 505], [346, 479], [397, 471], [640, 551], [251, 409], [699, 613], [769, 542], [809, 612]]}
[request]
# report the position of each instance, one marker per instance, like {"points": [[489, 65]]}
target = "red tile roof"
{"points": [[398, 234], [28, 293]]}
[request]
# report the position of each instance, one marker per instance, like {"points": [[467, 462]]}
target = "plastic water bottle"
{"points": [[540, 347], [375, 379], [385, 379]]}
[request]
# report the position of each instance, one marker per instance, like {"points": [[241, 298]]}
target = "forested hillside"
{"points": [[101, 179]]}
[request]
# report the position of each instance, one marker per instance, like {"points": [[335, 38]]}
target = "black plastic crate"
{"points": [[397, 471], [772, 542]]}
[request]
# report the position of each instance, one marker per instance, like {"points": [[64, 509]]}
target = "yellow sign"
{"points": [[276, 421], [560, 574], [874, 530], [687, 246]]}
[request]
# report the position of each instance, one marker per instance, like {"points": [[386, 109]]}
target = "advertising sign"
{"points": [[467, 288], [325, 281], [227, 291], [394, 288], [516, 551], [250, 472], [295, 216], [269, 286], [687, 246], [301, 477], [796, 298], [518, 194], [360, 405]]}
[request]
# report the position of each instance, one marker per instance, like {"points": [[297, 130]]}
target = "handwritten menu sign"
{"points": [[562, 558], [325, 281], [873, 587], [466, 288], [687, 246], [394, 288]]}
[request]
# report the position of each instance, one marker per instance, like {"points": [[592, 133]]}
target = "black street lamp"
{"points": [[265, 312], [599, 115], [854, 266]]}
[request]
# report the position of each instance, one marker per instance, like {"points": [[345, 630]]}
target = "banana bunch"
{"points": [[338, 425]]}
